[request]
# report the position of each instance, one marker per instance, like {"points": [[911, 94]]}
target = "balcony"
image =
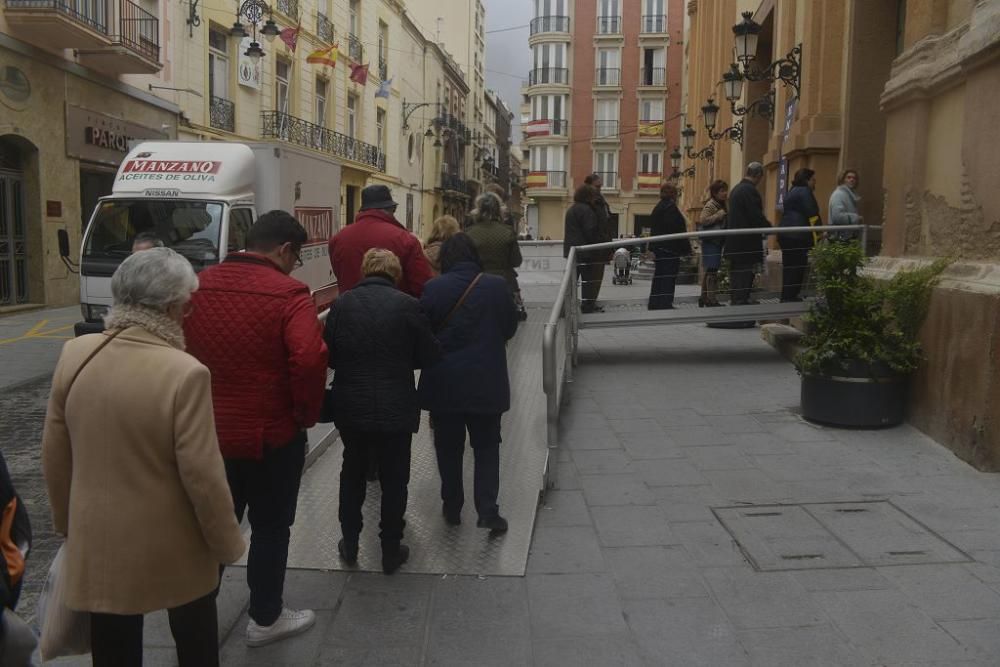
{"points": [[134, 50], [453, 183], [383, 69], [650, 130], [553, 75], [324, 29], [609, 25], [544, 24], [289, 8], [355, 50], [545, 127], [648, 182], [608, 76], [609, 179], [606, 130], [278, 125], [222, 114], [654, 23], [653, 76], [60, 23], [545, 180]]}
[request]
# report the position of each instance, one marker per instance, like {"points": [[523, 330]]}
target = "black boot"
{"points": [[497, 524], [393, 558], [348, 551]]}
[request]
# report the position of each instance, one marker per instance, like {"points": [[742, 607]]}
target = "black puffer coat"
{"points": [[800, 207], [746, 211], [666, 218], [582, 227], [377, 336]]}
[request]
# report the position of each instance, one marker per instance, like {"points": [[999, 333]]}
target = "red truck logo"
{"points": [[172, 166]]}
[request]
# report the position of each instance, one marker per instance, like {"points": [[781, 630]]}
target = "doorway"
{"points": [[352, 203], [642, 225], [13, 240]]}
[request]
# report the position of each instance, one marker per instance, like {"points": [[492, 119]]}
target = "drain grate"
{"points": [[833, 535]]}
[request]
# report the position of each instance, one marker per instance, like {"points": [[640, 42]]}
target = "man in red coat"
{"points": [[376, 227], [255, 327]]}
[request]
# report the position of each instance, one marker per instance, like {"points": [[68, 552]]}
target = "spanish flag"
{"points": [[537, 179], [327, 56], [650, 181], [650, 128]]}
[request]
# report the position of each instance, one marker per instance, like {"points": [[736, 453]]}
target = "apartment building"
{"points": [[604, 95]]}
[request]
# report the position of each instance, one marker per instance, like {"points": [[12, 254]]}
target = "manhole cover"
{"points": [[812, 536]]}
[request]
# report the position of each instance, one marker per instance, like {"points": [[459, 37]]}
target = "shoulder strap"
{"points": [[91, 356], [461, 300]]}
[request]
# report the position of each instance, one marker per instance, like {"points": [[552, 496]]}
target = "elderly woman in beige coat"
{"points": [[134, 474]]}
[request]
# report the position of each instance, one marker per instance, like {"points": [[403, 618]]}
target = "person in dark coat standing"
{"points": [[800, 210], [474, 316], [377, 336], [666, 218], [746, 211], [582, 227]]}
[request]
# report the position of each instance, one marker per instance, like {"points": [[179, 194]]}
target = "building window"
{"points": [[354, 14], [606, 119], [608, 67], [654, 16], [650, 163], [383, 51], [352, 115], [609, 17], [606, 164], [380, 129], [321, 86], [409, 211], [411, 148], [218, 64], [282, 70], [654, 70]]}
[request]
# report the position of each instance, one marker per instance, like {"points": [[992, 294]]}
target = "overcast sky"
{"points": [[507, 54]]}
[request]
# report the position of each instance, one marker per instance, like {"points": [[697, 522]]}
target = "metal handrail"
{"points": [[566, 308]]}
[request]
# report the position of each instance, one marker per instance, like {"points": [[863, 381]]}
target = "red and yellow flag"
{"points": [[327, 56]]}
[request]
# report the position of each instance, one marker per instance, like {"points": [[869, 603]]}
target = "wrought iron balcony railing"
{"points": [[609, 25], [355, 49], [278, 125], [289, 8], [324, 28], [654, 23], [139, 30], [222, 114], [549, 24], [545, 179], [542, 75], [92, 14], [605, 129], [608, 76], [653, 76], [609, 179], [383, 69]]}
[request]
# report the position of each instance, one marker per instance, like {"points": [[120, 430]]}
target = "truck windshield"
{"points": [[189, 227]]}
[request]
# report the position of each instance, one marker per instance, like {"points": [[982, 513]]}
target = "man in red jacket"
{"points": [[376, 227], [255, 328]]}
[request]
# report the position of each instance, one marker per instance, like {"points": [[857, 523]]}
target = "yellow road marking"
{"points": [[37, 331]]}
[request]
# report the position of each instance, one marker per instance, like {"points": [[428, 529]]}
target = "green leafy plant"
{"points": [[859, 325]]}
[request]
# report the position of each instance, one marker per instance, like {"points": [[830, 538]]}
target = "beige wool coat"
{"points": [[135, 477]]}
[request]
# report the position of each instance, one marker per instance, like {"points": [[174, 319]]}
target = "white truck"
{"points": [[200, 199]]}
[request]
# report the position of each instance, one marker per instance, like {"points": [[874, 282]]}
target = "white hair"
{"points": [[755, 169], [489, 206], [154, 278]]}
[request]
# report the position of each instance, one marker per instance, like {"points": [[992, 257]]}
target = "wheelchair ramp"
{"points": [[435, 547], [686, 311]]}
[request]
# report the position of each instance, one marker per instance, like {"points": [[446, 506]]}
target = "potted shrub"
{"points": [[861, 343]]}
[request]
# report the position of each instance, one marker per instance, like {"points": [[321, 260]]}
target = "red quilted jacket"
{"points": [[376, 228], [256, 330]]}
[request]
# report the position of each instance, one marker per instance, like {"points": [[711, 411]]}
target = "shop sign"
{"points": [[97, 137], [317, 221], [248, 69], [783, 165]]}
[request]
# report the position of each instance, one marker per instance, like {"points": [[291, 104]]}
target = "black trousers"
{"points": [[661, 291], [392, 451], [740, 281], [794, 262], [116, 640], [591, 274], [270, 489], [449, 444]]}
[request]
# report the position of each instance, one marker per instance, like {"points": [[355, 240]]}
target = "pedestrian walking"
{"points": [[377, 336], [605, 220], [713, 218], [496, 241], [666, 218], [132, 464], [844, 203], [582, 228], [800, 210], [17, 641], [442, 229], [745, 252], [255, 327], [508, 219], [469, 390], [376, 227]]}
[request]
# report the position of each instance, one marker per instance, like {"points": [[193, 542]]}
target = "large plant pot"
{"points": [[853, 400]]}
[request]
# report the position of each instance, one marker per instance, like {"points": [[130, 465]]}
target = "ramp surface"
{"points": [[435, 547]]}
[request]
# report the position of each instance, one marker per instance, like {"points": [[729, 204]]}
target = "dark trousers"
{"points": [[270, 489], [449, 444], [740, 281], [116, 640], [392, 451], [591, 273], [661, 292], [794, 262]]}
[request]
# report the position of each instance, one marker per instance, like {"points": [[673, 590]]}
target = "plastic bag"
{"points": [[64, 631]]}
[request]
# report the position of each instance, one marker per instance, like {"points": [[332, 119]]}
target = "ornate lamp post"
{"points": [[675, 163], [710, 112], [788, 70], [687, 140], [254, 11]]}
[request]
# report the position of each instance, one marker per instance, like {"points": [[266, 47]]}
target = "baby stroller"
{"points": [[623, 267]]}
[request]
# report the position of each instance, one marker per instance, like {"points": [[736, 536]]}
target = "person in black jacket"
{"points": [[377, 336], [474, 316], [17, 641], [666, 218], [746, 211], [800, 210], [582, 227]]}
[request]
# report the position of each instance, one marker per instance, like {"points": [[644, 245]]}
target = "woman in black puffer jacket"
{"points": [[377, 336], [800, 210]]}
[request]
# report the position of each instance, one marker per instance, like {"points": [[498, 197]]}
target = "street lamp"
{"points": [[254, 11], [746, 33], [687, 140], [675, 164], [711, 114], [687, 137], [787, 70]]}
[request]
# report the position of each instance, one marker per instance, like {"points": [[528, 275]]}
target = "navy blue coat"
{"points": [[472, 376], [799, 206]]}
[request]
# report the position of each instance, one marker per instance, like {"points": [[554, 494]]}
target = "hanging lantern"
{"points": [[746, 33], [711, 113], [687, 137], [732, 83]]}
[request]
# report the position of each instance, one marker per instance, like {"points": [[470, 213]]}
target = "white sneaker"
{"points": [[289, 624]]}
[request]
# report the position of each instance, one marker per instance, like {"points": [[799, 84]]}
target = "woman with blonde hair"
{"points": [[442, 229]]}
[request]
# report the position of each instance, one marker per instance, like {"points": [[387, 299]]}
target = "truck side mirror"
{"points": [[63, 243]]}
